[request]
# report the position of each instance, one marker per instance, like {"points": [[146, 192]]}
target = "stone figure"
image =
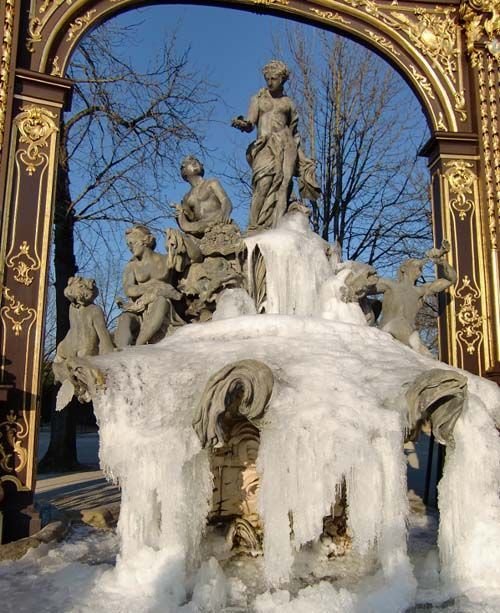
{"points": [[403, 299], [205, 203], [148, 312], [276, 155], [87, 335], [204, 216]]}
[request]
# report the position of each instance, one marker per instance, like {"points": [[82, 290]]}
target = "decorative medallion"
{"points": [[15, 313], [13, 456], [461, 182], [23, 264], [5, 59], [36, 125], [470, 334]]}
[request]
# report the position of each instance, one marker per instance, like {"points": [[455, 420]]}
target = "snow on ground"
{"points": [[337, 413], [73, 577]]}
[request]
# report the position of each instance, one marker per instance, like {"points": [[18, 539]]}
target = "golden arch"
{"points": [[426, 47], [449, 53]]}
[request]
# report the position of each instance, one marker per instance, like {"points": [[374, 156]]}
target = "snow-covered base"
{"points": [[78, 576], [337, 412]]}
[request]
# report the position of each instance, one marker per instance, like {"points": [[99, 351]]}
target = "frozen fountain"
{"points": [[279, 414]]}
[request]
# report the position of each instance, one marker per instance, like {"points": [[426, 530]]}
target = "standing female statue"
{"points": [[276, 155]]}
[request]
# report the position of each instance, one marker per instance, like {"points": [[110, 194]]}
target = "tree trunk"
{"points": [[61, 455]]}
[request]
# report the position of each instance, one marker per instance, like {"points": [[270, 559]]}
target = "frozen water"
{"points": [[337, 414]]}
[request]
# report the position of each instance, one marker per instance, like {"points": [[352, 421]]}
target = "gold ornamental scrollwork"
{"points": [[461, 181], [488, 83], [383, 42], [470, 334], [13, 455], [23, 264], [15, 313], [271, 2], [79, 24], [481, 21], [331, 16], [5, 59], [36, 125]]}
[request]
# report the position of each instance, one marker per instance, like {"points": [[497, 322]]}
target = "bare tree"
{"points": [[363, 126], [128, 127]]}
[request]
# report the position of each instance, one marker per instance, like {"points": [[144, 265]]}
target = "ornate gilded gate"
{"points": [[447, 51]]}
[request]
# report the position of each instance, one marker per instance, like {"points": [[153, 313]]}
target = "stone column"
{"points": [[38, 103]]}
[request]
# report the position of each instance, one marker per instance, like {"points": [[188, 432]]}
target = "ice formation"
{"points": [[337, 413]]}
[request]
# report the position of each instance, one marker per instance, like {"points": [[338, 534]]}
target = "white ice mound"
{"points": [[337, 412]]}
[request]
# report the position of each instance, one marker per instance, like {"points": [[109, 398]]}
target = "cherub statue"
{"points": [[205, 203], [87, 334], [276, 155], [403, 299], [147, 284]]}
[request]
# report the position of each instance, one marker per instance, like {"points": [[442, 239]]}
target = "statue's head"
{"points": [[276, 68], [410, 269], [81, 291], [191, 165], [138, 237]]}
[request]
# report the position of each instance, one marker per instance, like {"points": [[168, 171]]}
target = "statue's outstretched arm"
{"points": [[449, 278], [247, 124], [449, 274]]}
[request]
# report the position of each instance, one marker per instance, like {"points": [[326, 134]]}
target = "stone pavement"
{"points": [[85, 495]]}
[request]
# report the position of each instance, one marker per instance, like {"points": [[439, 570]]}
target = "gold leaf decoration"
{"points": [[13, 455], [23, 264], [470, 334], [383, 42], [36, 125], [330, 16], [481, 21], [79, 24], [461, 182], [15, 313], [422, 81], [5, 59]]}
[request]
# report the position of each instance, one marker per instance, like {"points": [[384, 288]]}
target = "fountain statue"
{"points": [[259, 445], [276, 156]]}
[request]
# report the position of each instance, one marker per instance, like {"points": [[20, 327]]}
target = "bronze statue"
{"points": [[276, 155]]}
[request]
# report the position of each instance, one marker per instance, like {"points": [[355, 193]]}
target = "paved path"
{"points": [[76, 491]]}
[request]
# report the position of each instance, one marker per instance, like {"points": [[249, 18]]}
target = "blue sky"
{"points": [[229, 47]]}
